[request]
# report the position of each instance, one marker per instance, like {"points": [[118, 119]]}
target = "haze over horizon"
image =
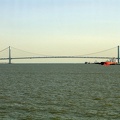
{"points": [[60, 27]]}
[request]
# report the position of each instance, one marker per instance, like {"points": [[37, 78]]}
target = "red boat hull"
{"points": [[108, 63]]}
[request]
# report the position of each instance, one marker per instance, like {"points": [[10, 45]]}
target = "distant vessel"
{"points": [[87, 62], [110, 62]]}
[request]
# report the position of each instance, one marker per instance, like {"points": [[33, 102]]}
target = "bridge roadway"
{"points": [[54, 57]]}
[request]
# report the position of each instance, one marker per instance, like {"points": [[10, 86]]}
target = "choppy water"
{"points": [[59, 92]]}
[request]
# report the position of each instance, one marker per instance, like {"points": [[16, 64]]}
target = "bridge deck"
{"points": [[55, 57]]}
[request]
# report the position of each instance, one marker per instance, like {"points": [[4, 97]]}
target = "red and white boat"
{"points": [[112, 61]]}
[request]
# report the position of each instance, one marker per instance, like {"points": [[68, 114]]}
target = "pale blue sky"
{"points": [[60, 27]]}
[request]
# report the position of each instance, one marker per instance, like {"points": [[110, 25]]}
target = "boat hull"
{"points": [[108, 63]]}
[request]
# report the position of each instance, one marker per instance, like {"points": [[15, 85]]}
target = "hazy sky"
{"points": [[60, 27]]}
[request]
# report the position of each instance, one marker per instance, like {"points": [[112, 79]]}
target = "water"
{"points": [[59, 92]]}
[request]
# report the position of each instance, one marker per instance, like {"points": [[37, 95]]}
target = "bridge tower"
{"points": [[118, 55], [9, 55]]}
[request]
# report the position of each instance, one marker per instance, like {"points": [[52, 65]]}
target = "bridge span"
{"points": [[45, 57]]}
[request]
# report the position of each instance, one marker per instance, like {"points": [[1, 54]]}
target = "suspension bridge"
{"points": [[10, 57]]}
